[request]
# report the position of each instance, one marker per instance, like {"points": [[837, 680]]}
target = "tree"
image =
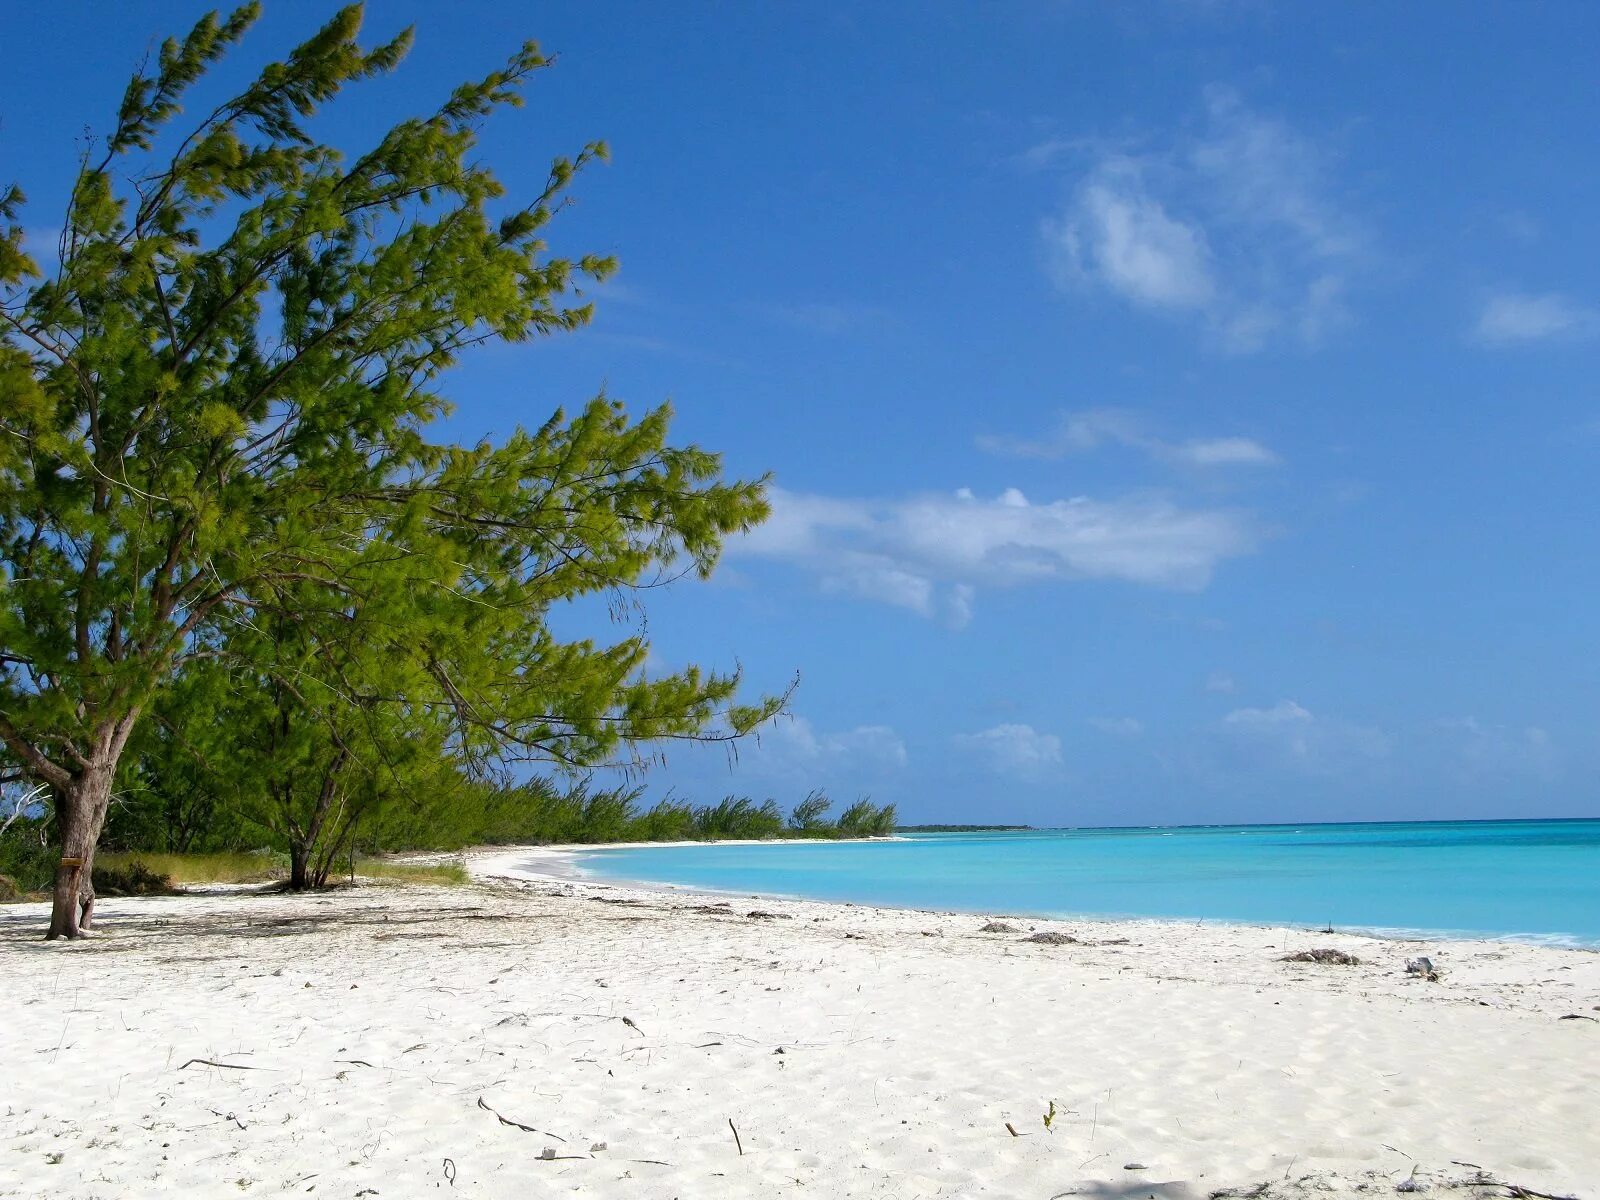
{"points": [[811, 814], [864, 819], [215, 409]]}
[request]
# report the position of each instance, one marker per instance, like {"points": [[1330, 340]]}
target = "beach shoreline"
{"points": [[556, 863], [858, 1051]]}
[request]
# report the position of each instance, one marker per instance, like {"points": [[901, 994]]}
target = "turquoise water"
{"points": [[1536, 880]]}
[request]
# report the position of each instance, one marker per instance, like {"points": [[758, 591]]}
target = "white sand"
{"points": [[387, 1025]]}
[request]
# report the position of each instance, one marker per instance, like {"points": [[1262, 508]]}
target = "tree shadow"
{"points": [[163, 918], [1137, 1189]]}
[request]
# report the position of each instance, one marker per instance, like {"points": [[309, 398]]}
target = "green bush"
{"points": [[865, 819], [129, 879], [811, 814], [26, 856], [669, 821], [739, 817]]}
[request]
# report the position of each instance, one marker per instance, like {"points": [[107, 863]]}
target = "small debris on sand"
{"points": [[1052, 938], [1332, 958]]}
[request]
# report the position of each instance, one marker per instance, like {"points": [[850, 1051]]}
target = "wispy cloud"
{"points": [[1016, 750], [794, 746], [1235, 229], [1120, 236], [829, 319], [1289, 736], [1478, 751], [1226, 451], [1080, 432], [1515, 318], [1126, 727], [933, 553]]}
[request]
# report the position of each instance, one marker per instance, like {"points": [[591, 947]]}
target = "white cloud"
{"points": [[1075, 433], [793, 744], [1080, 432], [1518, 317], [1018, 750], [1284, 712], [1121, 237], [1227, 451], [1118, 726], [1234, 229], [931, 553], [1475, 751], [1289, 736]]}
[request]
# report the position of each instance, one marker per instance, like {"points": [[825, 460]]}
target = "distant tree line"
{"points": [[534, 812]]}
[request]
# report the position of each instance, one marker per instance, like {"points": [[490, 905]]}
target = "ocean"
{"points": [[1523, 880]]}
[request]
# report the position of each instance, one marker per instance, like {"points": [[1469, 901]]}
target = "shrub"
{"points": [[865, 819], [26, 856], [811, 814], [129, 879], [739, 817]]}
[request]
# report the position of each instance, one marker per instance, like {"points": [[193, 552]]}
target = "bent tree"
{"points": [[214, 405], [339, 700]]}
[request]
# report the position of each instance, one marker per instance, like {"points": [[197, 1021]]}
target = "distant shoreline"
{"points": [[557, 865]]}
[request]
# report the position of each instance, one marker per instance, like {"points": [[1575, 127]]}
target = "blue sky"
{"points": [[1178, 412]]}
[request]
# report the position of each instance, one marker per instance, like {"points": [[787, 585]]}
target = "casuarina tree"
{"points": [[215, 401]]}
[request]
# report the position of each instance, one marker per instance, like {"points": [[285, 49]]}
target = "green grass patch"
{"points": [[448, 874], [226, 867], [267, 867]]}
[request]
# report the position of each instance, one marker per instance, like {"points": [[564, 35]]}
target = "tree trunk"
{"points": [[81, 809], [81, 806], [299, 865]]}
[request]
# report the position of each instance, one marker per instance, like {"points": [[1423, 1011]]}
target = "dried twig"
{"points": [[517, 1124], [226, 1066], [736, 1140]]}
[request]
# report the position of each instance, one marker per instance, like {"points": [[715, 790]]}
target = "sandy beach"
{"points": [[540, 1035]]}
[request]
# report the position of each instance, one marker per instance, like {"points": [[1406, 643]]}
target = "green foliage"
{"points": [[219, 507], [739, 817], [811, 814], [225, 866], [135, 878], [28, 855], [457, 813], [864, 819]]}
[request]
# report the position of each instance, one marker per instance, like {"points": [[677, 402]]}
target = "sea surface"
{"points": [[1525, 880]]}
